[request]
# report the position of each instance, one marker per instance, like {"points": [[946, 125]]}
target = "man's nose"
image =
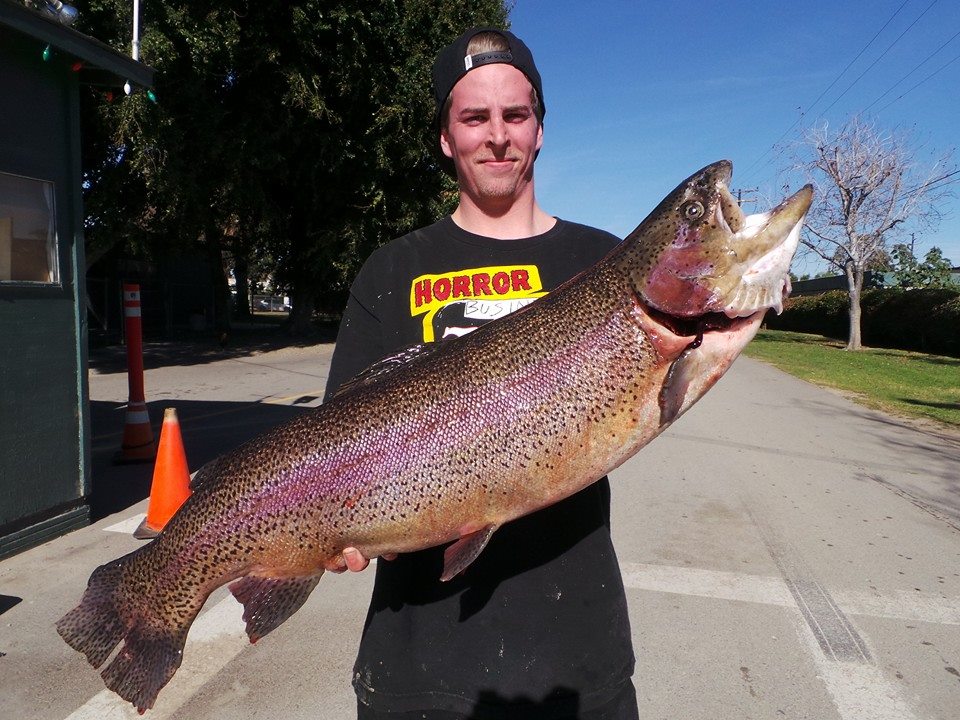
{"points": [[498, 132]]}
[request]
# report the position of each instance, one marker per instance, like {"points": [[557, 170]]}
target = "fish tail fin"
{"points": [[146, 662], [94, 627], [151, 651], [269, 601]]}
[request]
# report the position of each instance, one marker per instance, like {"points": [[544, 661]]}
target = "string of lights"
{"points": [[67, 14]]}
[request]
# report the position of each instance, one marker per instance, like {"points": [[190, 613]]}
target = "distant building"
{"points": [[817, 286]]}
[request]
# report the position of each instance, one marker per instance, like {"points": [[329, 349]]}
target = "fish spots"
{"points": [[685, 236]]}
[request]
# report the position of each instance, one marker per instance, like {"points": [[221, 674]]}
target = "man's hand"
{"points": [[353, 560]]}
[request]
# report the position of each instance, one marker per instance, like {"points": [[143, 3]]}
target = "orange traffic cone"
{"points": [[171, 479]]}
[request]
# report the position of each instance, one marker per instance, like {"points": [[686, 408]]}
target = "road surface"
{"points": [[787, 554]]}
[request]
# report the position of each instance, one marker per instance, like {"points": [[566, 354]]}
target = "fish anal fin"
{"points": [[269, 601], [458, 556]]}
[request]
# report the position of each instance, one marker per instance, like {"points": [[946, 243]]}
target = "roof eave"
{"points": [[91, 51]]}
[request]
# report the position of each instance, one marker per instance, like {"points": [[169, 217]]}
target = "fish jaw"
{"points": [[766, 244], [702, 364], [694, 362], [708, 257]]}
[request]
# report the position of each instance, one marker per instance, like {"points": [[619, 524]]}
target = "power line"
{"points": [[870, 66], [835, 81], [924, 62], [935, 184], [935, 72], [938, 183]]}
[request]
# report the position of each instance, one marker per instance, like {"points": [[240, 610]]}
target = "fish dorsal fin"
{"points": [[384, 366], [457, 557]]}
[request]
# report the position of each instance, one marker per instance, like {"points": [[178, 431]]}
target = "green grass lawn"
{"points": [[896, 381]]}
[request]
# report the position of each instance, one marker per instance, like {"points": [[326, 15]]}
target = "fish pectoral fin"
{"points": [[269, 601], [673, 395], [458, 556]]}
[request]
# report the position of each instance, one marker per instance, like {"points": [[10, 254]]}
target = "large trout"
{"points": [[447, 442]]}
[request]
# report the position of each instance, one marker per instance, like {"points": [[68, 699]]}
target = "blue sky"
{"points": [[640, 94]]}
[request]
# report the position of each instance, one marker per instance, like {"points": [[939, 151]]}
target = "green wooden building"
{"points": [[44, 403]]}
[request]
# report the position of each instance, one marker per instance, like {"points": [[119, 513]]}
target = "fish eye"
{"points": [[693, 210]]}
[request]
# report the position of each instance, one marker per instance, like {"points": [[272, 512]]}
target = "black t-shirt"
{"points": [[539, 621]]}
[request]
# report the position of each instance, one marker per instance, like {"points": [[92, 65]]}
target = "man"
{"points": [[537, 626]]}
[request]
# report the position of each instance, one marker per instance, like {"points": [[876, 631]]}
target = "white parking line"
{"points": [[902, 605], [860, 690], [716, 584], [214, 640], [127, 526], [769, 590]]}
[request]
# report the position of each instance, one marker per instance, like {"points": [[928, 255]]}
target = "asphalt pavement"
{"points": [[787, 554]]}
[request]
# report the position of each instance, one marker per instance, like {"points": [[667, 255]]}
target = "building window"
{"points": [[28, 232]]}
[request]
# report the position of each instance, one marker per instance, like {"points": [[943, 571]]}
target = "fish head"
{"points": [[703, 275], [706, 256]]}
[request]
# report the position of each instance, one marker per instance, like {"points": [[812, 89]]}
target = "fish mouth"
{"points": [[693, 329], [764, 244]]}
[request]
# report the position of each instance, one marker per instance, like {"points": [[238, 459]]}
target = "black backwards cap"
{"points": [[453, 63]]}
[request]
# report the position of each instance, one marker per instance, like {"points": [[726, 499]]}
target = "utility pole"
{"points": [[745, 191]]}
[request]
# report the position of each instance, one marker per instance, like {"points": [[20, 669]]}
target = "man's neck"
{"points": [[517, 220]]}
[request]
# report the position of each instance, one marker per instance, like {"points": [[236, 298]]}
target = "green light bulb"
{"points": [[46, 53], [151, 96]]}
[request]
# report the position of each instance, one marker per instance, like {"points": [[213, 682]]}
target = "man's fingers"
{"points": [[355, 561]]}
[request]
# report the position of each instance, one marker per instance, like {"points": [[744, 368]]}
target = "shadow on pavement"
{"points": [[8, 601], [201, 348], [209, 429]]}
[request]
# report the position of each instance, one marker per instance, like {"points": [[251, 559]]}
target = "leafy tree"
{"points": [[870, 189], [290, 137], [932, 272]]}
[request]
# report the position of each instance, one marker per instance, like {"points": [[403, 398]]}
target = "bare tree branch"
{"points": [[870, 190]]}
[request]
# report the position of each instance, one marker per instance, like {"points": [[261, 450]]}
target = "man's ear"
{"points": [[445, 144]]}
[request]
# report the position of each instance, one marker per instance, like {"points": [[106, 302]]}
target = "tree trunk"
{"points": [[299, 323], [854, 287], [218, 276]]}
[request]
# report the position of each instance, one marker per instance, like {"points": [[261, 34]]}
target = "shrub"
{"points": [[823, 314], [926, 320]]}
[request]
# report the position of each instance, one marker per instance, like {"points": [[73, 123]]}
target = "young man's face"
{"points": [[492, 134]]}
